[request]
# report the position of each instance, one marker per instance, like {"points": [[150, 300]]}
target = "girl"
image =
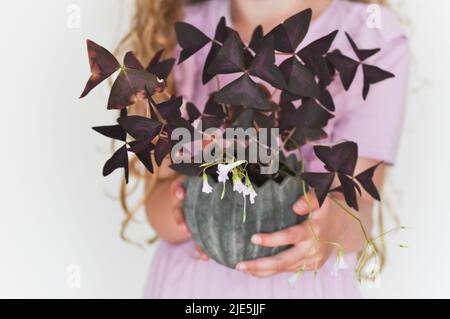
{"points": [[180, 270]]}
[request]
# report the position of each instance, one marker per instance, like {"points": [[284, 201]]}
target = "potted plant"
{"points": [[234, 192]]}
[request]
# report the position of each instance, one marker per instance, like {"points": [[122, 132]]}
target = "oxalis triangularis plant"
{"points": [[300, 114]]}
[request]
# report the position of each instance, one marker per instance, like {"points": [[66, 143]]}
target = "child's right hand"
{"points": [[178, 192]]}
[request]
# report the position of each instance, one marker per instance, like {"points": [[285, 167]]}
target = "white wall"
{"points": [[421, 176], [53, 205], [54, 211]]}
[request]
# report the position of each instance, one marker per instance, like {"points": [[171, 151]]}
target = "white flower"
{"points": [[224, 169], [238, 186], [252, 195], [249, 190], [206, 187], [245, 191], [340, 264]]}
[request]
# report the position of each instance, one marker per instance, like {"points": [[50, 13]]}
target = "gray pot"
{"points": [[217, 225]]}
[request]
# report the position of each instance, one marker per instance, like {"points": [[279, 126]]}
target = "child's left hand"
{"points": [[329, 224]]}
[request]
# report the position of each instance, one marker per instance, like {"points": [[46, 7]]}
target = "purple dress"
{"points": [[375, 124]]}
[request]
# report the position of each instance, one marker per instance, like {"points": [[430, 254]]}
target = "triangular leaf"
{"points": [[112, 131], [132, 86], [118, 160], [320, 182], [245, 92], [230, 58], [142, 149], [140, 126], [361, 54], [299, 79], [190, 39], [373, 75], [346, 67], [103, 64], [289, 34], [365, 179], [263, 65]]}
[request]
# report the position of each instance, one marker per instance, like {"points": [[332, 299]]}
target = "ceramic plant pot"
{"points": [[217, 224]]}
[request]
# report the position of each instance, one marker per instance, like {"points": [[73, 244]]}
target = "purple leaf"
{"points": [[320, 182], [132, 86], [286, 113], [326, 99], [213, 108], [211, 122], [131, 61], [103, 64], [222, 31], [156, 58], [257, 39], [245, 92], [310, 114], [118, 160], [169, 109], [140, 127], [112, 131], [299, 79], [372, 75], [142, 149], [162, 149], [340, 158], [215, 48], [160, 68], [346, 67], [365, 179], [230, 58], [192, 111], [263, 65], [289, 34], [244, 120], [190, 39], [313, 55], [361, 54], [318, 47], [348, 189], [265, 121], [189, 169], [308, 121], [302, 135], [286, 97]]}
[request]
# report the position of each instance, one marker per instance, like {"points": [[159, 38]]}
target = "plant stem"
{"points": [[244, 215], [369, 243], [388, 232], [218, 86], [153, 104], [317, 239], [345, 209]]}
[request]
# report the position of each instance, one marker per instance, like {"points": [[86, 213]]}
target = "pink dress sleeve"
{"points": [[375, 124]]}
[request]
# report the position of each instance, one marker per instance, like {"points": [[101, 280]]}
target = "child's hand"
{"points": [[177, 190], [307, 253]]}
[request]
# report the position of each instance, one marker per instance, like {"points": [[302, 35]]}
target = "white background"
{"points": [[54, 204]]}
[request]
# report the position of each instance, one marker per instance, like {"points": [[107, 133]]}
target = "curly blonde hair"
{"points": [[152, 29]]}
